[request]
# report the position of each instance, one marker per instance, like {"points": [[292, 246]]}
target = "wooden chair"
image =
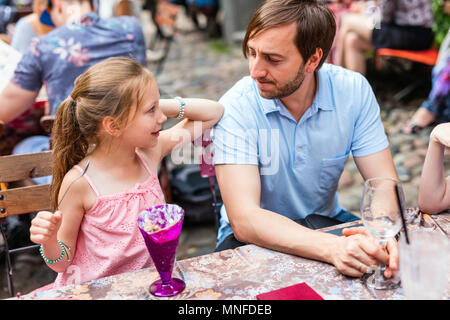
{"points": [[426, 58], [23, 199]]}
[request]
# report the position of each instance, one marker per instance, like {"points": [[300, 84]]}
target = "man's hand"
{"points": [[375, 252]]}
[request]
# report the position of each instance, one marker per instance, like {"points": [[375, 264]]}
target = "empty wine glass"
{"points": [[381, 208]]}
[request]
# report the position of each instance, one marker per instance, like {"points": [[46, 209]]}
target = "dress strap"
{"points": [[144, 163], [87, 179]]}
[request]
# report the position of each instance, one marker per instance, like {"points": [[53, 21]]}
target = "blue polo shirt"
{"points": [[300, 163]]}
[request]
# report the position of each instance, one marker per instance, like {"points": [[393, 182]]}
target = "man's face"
{"points": [[275, 62]]}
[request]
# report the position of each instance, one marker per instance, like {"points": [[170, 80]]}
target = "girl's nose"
{"points": [[162, 117]]}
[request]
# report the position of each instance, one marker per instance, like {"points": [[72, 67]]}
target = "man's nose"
{"points": [[257, 68]]}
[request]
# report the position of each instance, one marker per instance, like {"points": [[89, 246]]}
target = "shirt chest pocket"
{"points": [[330, 172]]}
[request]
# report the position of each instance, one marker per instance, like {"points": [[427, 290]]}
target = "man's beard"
{"points": [[286, 89]]}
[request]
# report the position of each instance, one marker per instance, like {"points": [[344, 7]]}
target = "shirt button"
{"points": [[299, 149]]}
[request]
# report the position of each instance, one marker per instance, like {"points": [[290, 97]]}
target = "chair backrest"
{"points": [[47, 123], [26, 199], [22, 199]]}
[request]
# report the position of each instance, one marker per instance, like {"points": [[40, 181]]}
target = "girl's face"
{"points": [[143, 130]]}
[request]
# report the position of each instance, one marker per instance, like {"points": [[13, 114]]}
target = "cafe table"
{"points": [[244, 273]]}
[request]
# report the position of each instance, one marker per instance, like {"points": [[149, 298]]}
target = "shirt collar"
{"points": [[323, 99], [324, 94]]}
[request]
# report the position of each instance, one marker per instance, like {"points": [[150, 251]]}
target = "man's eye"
{"points": [[272, 60], [152, 109]]}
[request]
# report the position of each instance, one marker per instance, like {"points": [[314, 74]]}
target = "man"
{"points": [[80, 40], [285, 136]]}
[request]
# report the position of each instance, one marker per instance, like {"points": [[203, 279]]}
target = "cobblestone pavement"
{"points": [[197, 67]]}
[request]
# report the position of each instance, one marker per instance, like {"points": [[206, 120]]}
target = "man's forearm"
{"points": [[14, 101], [274, 231]]}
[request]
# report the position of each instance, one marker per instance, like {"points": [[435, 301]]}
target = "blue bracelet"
{"points": [[182, 104], [63, 252]]}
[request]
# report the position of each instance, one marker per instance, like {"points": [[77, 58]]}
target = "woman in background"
{"points": [[29, 27]]}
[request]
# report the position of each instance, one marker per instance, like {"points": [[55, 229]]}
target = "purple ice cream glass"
{"points": [[161, 228]]}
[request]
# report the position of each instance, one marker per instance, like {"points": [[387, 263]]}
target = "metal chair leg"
{"points": [[216, 205], [9, 270], [408, 90]]}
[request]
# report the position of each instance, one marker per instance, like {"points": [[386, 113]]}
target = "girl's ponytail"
{"points": [[69, 145]]}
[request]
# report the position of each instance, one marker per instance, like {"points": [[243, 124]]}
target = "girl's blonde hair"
{"points": [[113, 87]]}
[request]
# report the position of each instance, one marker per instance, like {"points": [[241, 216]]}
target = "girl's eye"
{"points": [[152, 109]]}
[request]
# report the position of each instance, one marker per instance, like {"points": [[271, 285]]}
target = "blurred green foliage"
{"points": [[219, 46], [441, 22]]}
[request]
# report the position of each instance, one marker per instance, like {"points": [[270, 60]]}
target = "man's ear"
{"points": [[313, 61], [110, 125]]}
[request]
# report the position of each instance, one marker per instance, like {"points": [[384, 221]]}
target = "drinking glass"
{"points": [[161, 227], [381, 208], [424, 264]]}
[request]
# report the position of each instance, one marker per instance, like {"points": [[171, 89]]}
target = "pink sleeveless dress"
{"points": [[109, 241]]}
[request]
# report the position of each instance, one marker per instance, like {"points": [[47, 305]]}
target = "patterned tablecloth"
{"points": [[242, 274]]}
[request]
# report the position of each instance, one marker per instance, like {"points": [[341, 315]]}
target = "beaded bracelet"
{"points": [[63, 252], [182, 104]]}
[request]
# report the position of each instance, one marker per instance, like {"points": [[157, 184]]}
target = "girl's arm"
{"points": [[63, 225], [199, 114], [434, 190]]}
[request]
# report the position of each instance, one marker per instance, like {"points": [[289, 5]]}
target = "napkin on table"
{"points": [[300, 291]]}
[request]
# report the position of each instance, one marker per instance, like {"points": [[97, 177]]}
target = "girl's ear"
{"points": [[111, 127]]}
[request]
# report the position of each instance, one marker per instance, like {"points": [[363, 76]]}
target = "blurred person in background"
{"points": [[436, 109], [210, 9], [81, 39], [9, 13], [396, 24], [117, 8], [29, 27], [342, 7]]}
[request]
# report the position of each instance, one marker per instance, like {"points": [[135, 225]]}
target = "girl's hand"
{"points": [[45, 226], [441, 134]]}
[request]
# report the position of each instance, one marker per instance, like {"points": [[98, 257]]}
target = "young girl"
{"points": [[434, 190], [113, 120]]}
